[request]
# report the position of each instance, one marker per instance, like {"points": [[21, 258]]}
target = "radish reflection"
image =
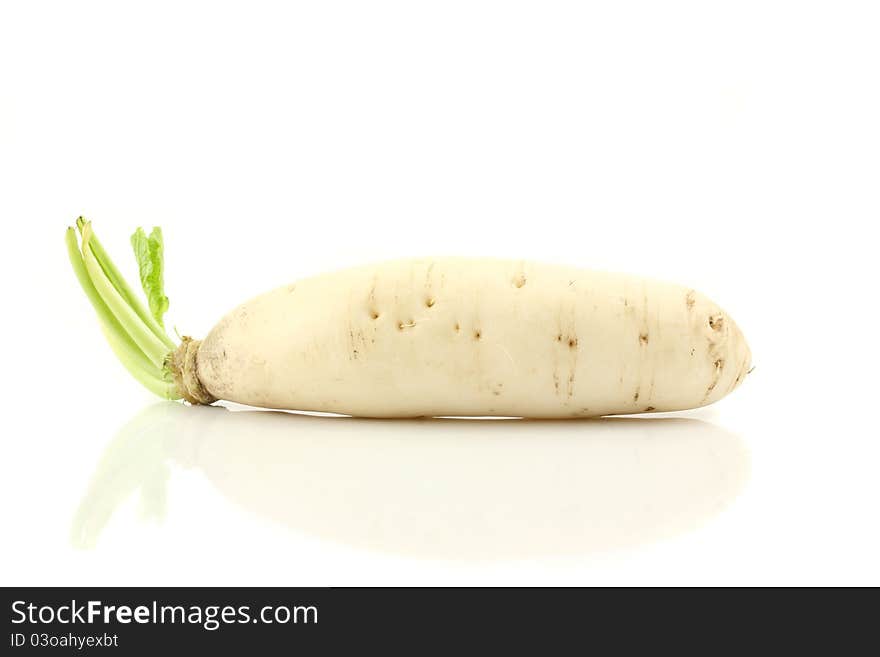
{"points": [[435, 488]]}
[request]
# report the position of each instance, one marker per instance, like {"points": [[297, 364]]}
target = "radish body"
{"points": [[471, 337]]}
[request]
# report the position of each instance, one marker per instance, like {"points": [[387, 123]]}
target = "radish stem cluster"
{"points": [[135, 334]]}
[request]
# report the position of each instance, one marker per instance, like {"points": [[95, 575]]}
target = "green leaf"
{"points": [[148, 251]]}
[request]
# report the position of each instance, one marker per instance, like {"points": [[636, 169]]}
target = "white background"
{"points": [[729, 146]]}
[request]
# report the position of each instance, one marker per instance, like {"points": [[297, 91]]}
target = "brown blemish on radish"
{"points": [[636, 395], [572, 343], [719, 368], [519, 277], [710, 389], [374, 314], [429, 303], [690, 299], [406, 325], [478, 334], [643, 338], [648, 409], [716, 322], [735, 382]]}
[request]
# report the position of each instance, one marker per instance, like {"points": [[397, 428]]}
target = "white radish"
{"points": [[467, 337]]}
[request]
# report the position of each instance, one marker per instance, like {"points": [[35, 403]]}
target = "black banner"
{"points": [[148, 620]]}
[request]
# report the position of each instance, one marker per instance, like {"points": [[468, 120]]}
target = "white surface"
{"points": [[728, 146]]}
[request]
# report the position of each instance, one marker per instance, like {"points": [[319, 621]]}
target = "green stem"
{"points": [[121, 286], [140, 352], [124, 348], [143, 337]]}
